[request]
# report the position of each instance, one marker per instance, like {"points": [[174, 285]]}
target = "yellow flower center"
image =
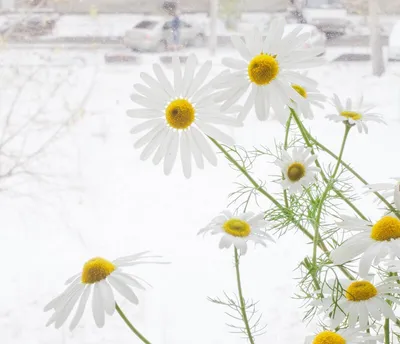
{"points": [[180, 114], [328, 337], [300, 90], [296, 171], [351, 115], [386, 228], [237, 228], [263, 69], [360, 291], [96, 269]]}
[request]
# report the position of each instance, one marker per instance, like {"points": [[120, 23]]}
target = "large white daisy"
{"points": [[358, 300], [179, 116], [354, 113], [373, 242], [298, 169], [99, 277], [267, 68], [390, 191], [237, 230], [343, 336]]}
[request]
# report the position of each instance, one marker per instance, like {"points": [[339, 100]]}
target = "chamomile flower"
{"points": [[373, 242], [343, 336], [99, 278], [179, 116], [390, 191], [313, 97], [298, 169], [238, 230], [267, 68], [359, 300], [354, 113]]}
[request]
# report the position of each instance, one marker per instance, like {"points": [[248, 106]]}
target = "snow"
{"points": [[102, 200]]}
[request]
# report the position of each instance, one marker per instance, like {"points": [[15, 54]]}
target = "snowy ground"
{"points": [[101, 200]]}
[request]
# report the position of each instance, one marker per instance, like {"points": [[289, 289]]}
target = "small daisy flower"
{"points": [[354, 113], [343, 336], [179, 116], [267, 68], [313, 97], [298, 169], [390, 191], [373, 242], [360, 300], [99, 278], [237, 230]]}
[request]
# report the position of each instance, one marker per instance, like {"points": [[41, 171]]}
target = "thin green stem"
{"points": [[328, 188], [129, 324], [241, 299], [285, 147], [289, 213], [307, 138], [350, 169], [386, 329]]}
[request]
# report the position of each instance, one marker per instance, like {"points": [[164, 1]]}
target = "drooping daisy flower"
{"points": [[99, 277], [179, 116], [374, 241], [343, 336], [313, 97], [266, 67], [354, 113], [298, 169], [360, 299], [390, 191], [237, 230]]}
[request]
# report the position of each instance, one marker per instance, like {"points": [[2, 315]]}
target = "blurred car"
{"points": [[317, 38], [394, 42], [155, 34]]}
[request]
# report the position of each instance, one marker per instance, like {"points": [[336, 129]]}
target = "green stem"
{"points": [[307, 138], [386, 328], [290, 215], [361, 179], [241, 299], [285, 147], [133, 329], [325, 195]]}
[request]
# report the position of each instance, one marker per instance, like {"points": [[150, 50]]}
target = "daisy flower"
{"points": [[178, 116], [237, 230], [298, 169], [99, 278], [266, 67], [390, 191], [313, 97], [359, 300], [343, 336], [354, 113], [373, 242]]}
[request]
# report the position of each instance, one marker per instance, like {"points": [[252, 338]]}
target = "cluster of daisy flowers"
{"points": [[182, 119]]}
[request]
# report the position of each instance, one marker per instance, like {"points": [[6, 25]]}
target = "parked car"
{"points": [[155, 34], [329, 18], [394, 42], [317, 37]]}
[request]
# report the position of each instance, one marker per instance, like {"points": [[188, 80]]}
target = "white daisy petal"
{"points": [[144, 113], [215, 133], [97, 306], [176, 65], [123, 289], [234, 63], [107, 297], [164, 82], [81, 308], [200, 78], [240, 46], [204, 146], [67, 309], [185, 155], [171, 153]]}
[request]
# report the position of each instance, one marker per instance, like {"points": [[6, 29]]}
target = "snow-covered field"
{"points": [[101, 200]]}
